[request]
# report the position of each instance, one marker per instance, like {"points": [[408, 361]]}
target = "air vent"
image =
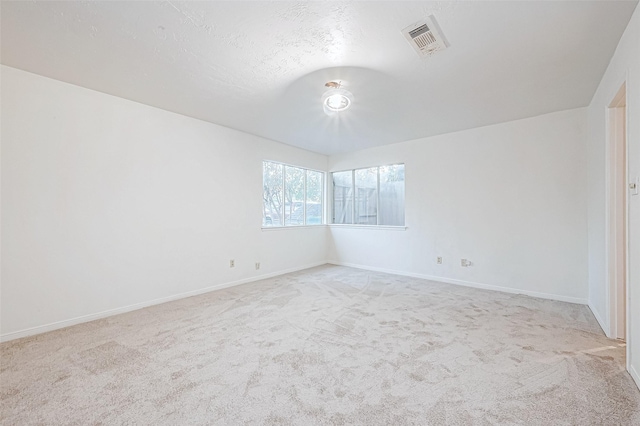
{"points": [[426, 37]]}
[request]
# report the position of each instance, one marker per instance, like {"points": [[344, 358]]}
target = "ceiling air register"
{"points": [[426, 37]]}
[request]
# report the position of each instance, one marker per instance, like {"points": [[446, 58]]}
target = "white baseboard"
{"points": [[635, 375], [603, 325], [550, 296], [110, 312]]}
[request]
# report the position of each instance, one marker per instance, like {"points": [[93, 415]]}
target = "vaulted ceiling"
{"points": [[260, 67]]}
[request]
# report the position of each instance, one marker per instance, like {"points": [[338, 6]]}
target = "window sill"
{"points": [[377, 227], [337, 225], [277, 228]]}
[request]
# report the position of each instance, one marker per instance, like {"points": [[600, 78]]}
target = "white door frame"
{"points": [[617, 229]]}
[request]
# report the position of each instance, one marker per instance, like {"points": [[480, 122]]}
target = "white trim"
{"points": [[98, 315], [634, 375], [612, 274], [598, 317], [380, 227], [549, 296], [276, 228]]}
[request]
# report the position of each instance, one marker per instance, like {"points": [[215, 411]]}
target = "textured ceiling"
{"points": [[261, 66]]}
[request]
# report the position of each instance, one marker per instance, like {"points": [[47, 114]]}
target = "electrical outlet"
{"points": [[439, 260], [232, 263], [257, 265]]}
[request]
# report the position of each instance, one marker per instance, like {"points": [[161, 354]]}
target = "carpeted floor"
{"points": [[329, 345]]}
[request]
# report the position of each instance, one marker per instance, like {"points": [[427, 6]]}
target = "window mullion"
{"points": [[304, 198], [323, 198], [333, 197], [353, 196], [378, 196], [284, 195]]}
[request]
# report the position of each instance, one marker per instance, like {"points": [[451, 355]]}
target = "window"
{"points": [[371, 196], [343, 197], [291, 196]]}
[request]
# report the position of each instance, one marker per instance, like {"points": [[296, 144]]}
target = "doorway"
{"points": [[617, 212]]}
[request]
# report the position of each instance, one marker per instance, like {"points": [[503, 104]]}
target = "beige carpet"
{"points": [[329, 345]]}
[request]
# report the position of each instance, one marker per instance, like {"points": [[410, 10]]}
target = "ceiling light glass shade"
{"points": [[336, 100]]}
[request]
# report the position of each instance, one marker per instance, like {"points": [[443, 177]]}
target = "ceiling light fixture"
{"points": [[336, 99]]}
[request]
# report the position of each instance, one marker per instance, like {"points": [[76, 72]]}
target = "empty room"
{"points": [[319, 212]]}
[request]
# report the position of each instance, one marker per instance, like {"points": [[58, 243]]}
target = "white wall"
{"points": [[625, 64], [108, 203], [511, 198]]}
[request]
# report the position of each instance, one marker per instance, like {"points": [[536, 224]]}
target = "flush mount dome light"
{"points": [[336, 99]]}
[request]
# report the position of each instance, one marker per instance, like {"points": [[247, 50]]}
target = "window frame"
{"points": [[353, 224], [282, 212]]}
